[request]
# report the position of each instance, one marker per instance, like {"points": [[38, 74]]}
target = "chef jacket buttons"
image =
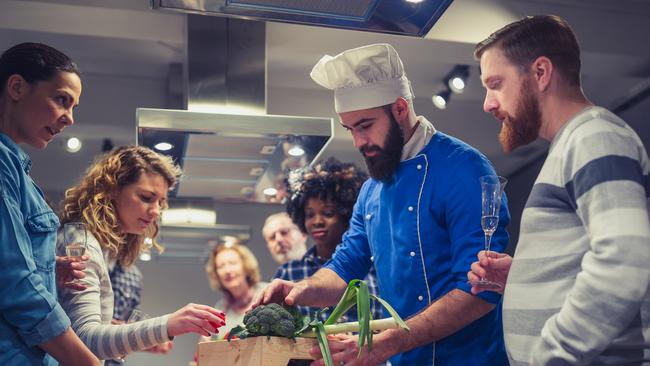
{"points": [[420, 298], [412, 254], [410, 208], [368, 216], [419, 166]]}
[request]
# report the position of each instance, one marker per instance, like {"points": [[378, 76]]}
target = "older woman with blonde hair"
{"points": [[119, 201], [233, 269]]}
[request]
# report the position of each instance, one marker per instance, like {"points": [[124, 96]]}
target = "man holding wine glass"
{"points": [[577, 288]]}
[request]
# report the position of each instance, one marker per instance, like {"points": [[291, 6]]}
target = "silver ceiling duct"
{"points": [[230, 157], [226, 64], [404, 17], [225, 157]]}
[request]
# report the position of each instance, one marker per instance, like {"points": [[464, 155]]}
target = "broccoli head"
{"points": [[271, 319]]}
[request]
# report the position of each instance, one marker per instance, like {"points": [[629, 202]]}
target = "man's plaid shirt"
{"points": [[127, 284], [300, 269]]}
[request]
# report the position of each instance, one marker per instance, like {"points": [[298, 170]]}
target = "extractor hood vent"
{"points": [[411, 18], [228, 156]]}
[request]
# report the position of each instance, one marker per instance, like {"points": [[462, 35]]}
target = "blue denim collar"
{"points": [[25, 161]]}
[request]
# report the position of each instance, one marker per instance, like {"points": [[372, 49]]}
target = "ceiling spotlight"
{"points": [[73, 145], [441, 98], [270, 191], [457, 78], [163, 146], [296, 151]]}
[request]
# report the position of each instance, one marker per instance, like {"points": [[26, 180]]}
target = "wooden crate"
{"points": [[255, 351]]}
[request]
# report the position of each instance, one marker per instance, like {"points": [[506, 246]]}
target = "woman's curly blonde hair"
{"points": [[92, 201], [249, 262]]}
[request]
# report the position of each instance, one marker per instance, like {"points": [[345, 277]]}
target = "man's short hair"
{"points": [[523, 41]]}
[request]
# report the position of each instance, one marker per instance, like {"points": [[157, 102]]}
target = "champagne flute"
{"points": [[492, 189], [75, 240], [135, 316]]}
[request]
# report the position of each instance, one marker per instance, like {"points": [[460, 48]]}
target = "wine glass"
{"points": [[136, 315], [75, 240], [492, 189]]}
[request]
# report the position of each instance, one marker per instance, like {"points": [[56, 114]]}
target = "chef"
{"points": [[417, 220]]}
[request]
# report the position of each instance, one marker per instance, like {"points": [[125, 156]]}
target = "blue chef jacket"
{"points": [[30, 313], [422, 230]]}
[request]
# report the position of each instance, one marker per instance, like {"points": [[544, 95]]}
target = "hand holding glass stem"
{"points": [[491, 191], [75, 240]]}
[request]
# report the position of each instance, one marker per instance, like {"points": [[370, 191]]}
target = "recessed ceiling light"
{"points": [[296, 151], [270, 191], [73, 145], [189, 216], [163, 146]]}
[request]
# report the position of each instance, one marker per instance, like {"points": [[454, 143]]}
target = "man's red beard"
{"points": [[523, 129]]}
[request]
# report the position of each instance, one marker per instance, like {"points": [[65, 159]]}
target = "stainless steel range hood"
{"points": [[411, 18], [230, 157]]}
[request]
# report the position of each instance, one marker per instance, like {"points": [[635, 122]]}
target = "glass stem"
{"points": [[488, 239]]}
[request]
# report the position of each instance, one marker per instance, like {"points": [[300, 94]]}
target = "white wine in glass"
{"points": [[75, 250], [74, 237], [491, 191], [489, 224]]}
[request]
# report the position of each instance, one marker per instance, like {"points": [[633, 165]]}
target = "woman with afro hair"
{"points": [[320, 203]]}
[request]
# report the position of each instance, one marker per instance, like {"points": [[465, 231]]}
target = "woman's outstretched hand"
{"points": [[195, 318]]}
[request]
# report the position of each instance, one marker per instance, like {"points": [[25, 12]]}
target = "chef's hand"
{"points": [[69, 269], [195, 318], [344, 352], [279, 291], [494, 268]]}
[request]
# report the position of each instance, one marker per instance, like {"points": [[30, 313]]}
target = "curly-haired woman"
{"points": [[320, 203], [119, 201]]}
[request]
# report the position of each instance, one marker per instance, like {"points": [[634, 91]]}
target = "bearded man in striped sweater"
{"points": [[578, 288]]}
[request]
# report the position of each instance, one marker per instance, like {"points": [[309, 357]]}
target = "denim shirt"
{"points": [[30, 312]]}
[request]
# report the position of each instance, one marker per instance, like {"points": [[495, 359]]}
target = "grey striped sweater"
{"points": [[91, 311], [578, 290]]}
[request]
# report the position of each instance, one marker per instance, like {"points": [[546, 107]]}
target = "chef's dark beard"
{"points": [[524, 128], [382, 166]]}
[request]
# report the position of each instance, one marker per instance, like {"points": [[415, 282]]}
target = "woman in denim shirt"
{"points": [[39, 87]]}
